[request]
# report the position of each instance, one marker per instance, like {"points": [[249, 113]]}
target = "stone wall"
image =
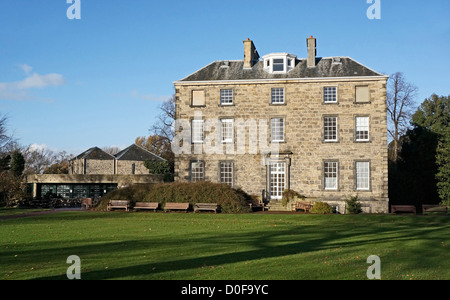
{"points": [[93, 166], [304, 148], [126, 167]]}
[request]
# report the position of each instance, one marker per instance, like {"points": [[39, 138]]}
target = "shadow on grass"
{"points": [[251, 246]]}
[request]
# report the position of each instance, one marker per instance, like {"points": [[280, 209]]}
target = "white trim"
{"points": [[281, 80]]}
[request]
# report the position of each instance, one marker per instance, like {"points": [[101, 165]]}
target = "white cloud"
{"points": [[37, 147], [19, 90], [26, 68]]}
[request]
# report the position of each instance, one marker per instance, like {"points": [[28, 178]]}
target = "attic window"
{"points": [[336, 60], [279, 62], [278, 65]]}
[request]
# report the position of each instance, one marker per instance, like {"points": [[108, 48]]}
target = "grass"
{"points": [[6, 211], [119, 245]]}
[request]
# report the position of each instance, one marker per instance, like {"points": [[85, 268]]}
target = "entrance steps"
{"points": [[277, 206]]}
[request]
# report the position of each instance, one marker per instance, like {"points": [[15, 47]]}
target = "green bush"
{"points": [[353, 206], [321, 208], [230, 200]]}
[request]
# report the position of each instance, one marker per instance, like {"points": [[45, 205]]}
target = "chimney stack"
{"points": [[251, 56], [312, 51]]}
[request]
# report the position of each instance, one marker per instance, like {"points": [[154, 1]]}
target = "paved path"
{"points": [[38, 213]]}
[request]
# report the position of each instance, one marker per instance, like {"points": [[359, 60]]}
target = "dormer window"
{"points": [[279, 63]]}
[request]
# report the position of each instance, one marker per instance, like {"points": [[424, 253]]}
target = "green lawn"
{"points": [[119, 245]]}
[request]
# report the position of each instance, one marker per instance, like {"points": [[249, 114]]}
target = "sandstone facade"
{"points": [[302, 160]]}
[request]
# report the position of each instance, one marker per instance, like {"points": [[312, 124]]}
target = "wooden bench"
{"points": [[432, 208], [254, 205], [146, 205], [86, 203], [118, 204], [206, 207], [303, 205], [176, 206], [403, 208]]}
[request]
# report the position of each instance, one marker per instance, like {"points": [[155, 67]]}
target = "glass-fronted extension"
{"points": [[71, 191]]}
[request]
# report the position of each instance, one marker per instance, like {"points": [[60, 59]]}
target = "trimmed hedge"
{"points": [[230, 200], [321, 208]]}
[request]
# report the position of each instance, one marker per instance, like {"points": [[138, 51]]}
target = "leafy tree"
{"points": [[434, 115], [353, 205], [159, 167], [17, 163], [443, 161], [5, 162]]}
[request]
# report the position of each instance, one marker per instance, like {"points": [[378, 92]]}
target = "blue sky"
{"points": [[98, 81]]}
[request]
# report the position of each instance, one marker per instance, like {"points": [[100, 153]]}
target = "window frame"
{"points": [[193, 135], [221, 97], [272, 128], [336, 129], [325, 95], [368, 174], [325, 172], [229, 139], [191, 170], [222, 178], [276, 96], [358, 133]]}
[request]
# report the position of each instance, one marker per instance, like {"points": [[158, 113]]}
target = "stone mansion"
{"points": [[316, 125]]}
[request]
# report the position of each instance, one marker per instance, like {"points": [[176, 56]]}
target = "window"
{"points": [[198, 98], [278, 65], [279, 62], [133, 169], [278, 96], [330, 94], [197, 171], [362, 94], [197, 131], [330, 172], [330, 129], [362, 129], [362, 175], [277, 130], [226, 97], [277, 179], [227, 130], [226, 172]]}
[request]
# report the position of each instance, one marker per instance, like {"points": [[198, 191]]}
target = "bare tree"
{"points": [[7, 142], [162, 133], [400, 105], [164, 126], [113, 150]]}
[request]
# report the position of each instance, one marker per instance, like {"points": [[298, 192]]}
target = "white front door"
{"points": [[277, 180]]}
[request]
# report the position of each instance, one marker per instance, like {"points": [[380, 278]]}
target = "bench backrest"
{"points": [[206, 204], [119, 202], [171, 205], [147, 204]]}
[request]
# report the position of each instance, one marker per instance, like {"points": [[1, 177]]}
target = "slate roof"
{"points": [[325, 67], [94, 153], [135, 152]]}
